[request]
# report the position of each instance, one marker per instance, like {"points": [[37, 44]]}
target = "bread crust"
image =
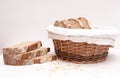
{"points": [[84, 22]]}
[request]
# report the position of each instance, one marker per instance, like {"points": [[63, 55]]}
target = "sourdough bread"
{"points": [[37, 60], [22, 47], [28, 55]]}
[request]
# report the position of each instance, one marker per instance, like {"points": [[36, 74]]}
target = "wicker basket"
{"points": [[70, 47], [80, 52]]}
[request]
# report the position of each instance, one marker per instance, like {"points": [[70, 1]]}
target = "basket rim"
{"points": [[97, 30]]}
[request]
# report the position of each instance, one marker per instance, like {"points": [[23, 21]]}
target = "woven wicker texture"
{"points": [[80, 51]]}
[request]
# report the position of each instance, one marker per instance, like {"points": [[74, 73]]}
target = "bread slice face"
{"points": [[37, 60], [28, 55], [84, 23], [22, 47], [74, 24]]}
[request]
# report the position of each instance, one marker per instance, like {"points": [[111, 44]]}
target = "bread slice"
{"points": [[60, 24], [66, 23], [56, 23], [84, 23], [74, 24], [22, 47], [27, 55], [80, 23], [41, 59]]}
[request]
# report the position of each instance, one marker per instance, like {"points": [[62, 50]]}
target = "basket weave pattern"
{"points": [[80, 51]]}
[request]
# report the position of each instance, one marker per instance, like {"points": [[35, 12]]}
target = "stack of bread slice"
{"points": [[26, 53], [79, 23]]}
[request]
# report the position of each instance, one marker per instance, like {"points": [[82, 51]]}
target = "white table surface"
{"points": [[59, 69]]}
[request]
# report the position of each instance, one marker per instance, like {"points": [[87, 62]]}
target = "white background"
{"points": [[22, 20]]}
